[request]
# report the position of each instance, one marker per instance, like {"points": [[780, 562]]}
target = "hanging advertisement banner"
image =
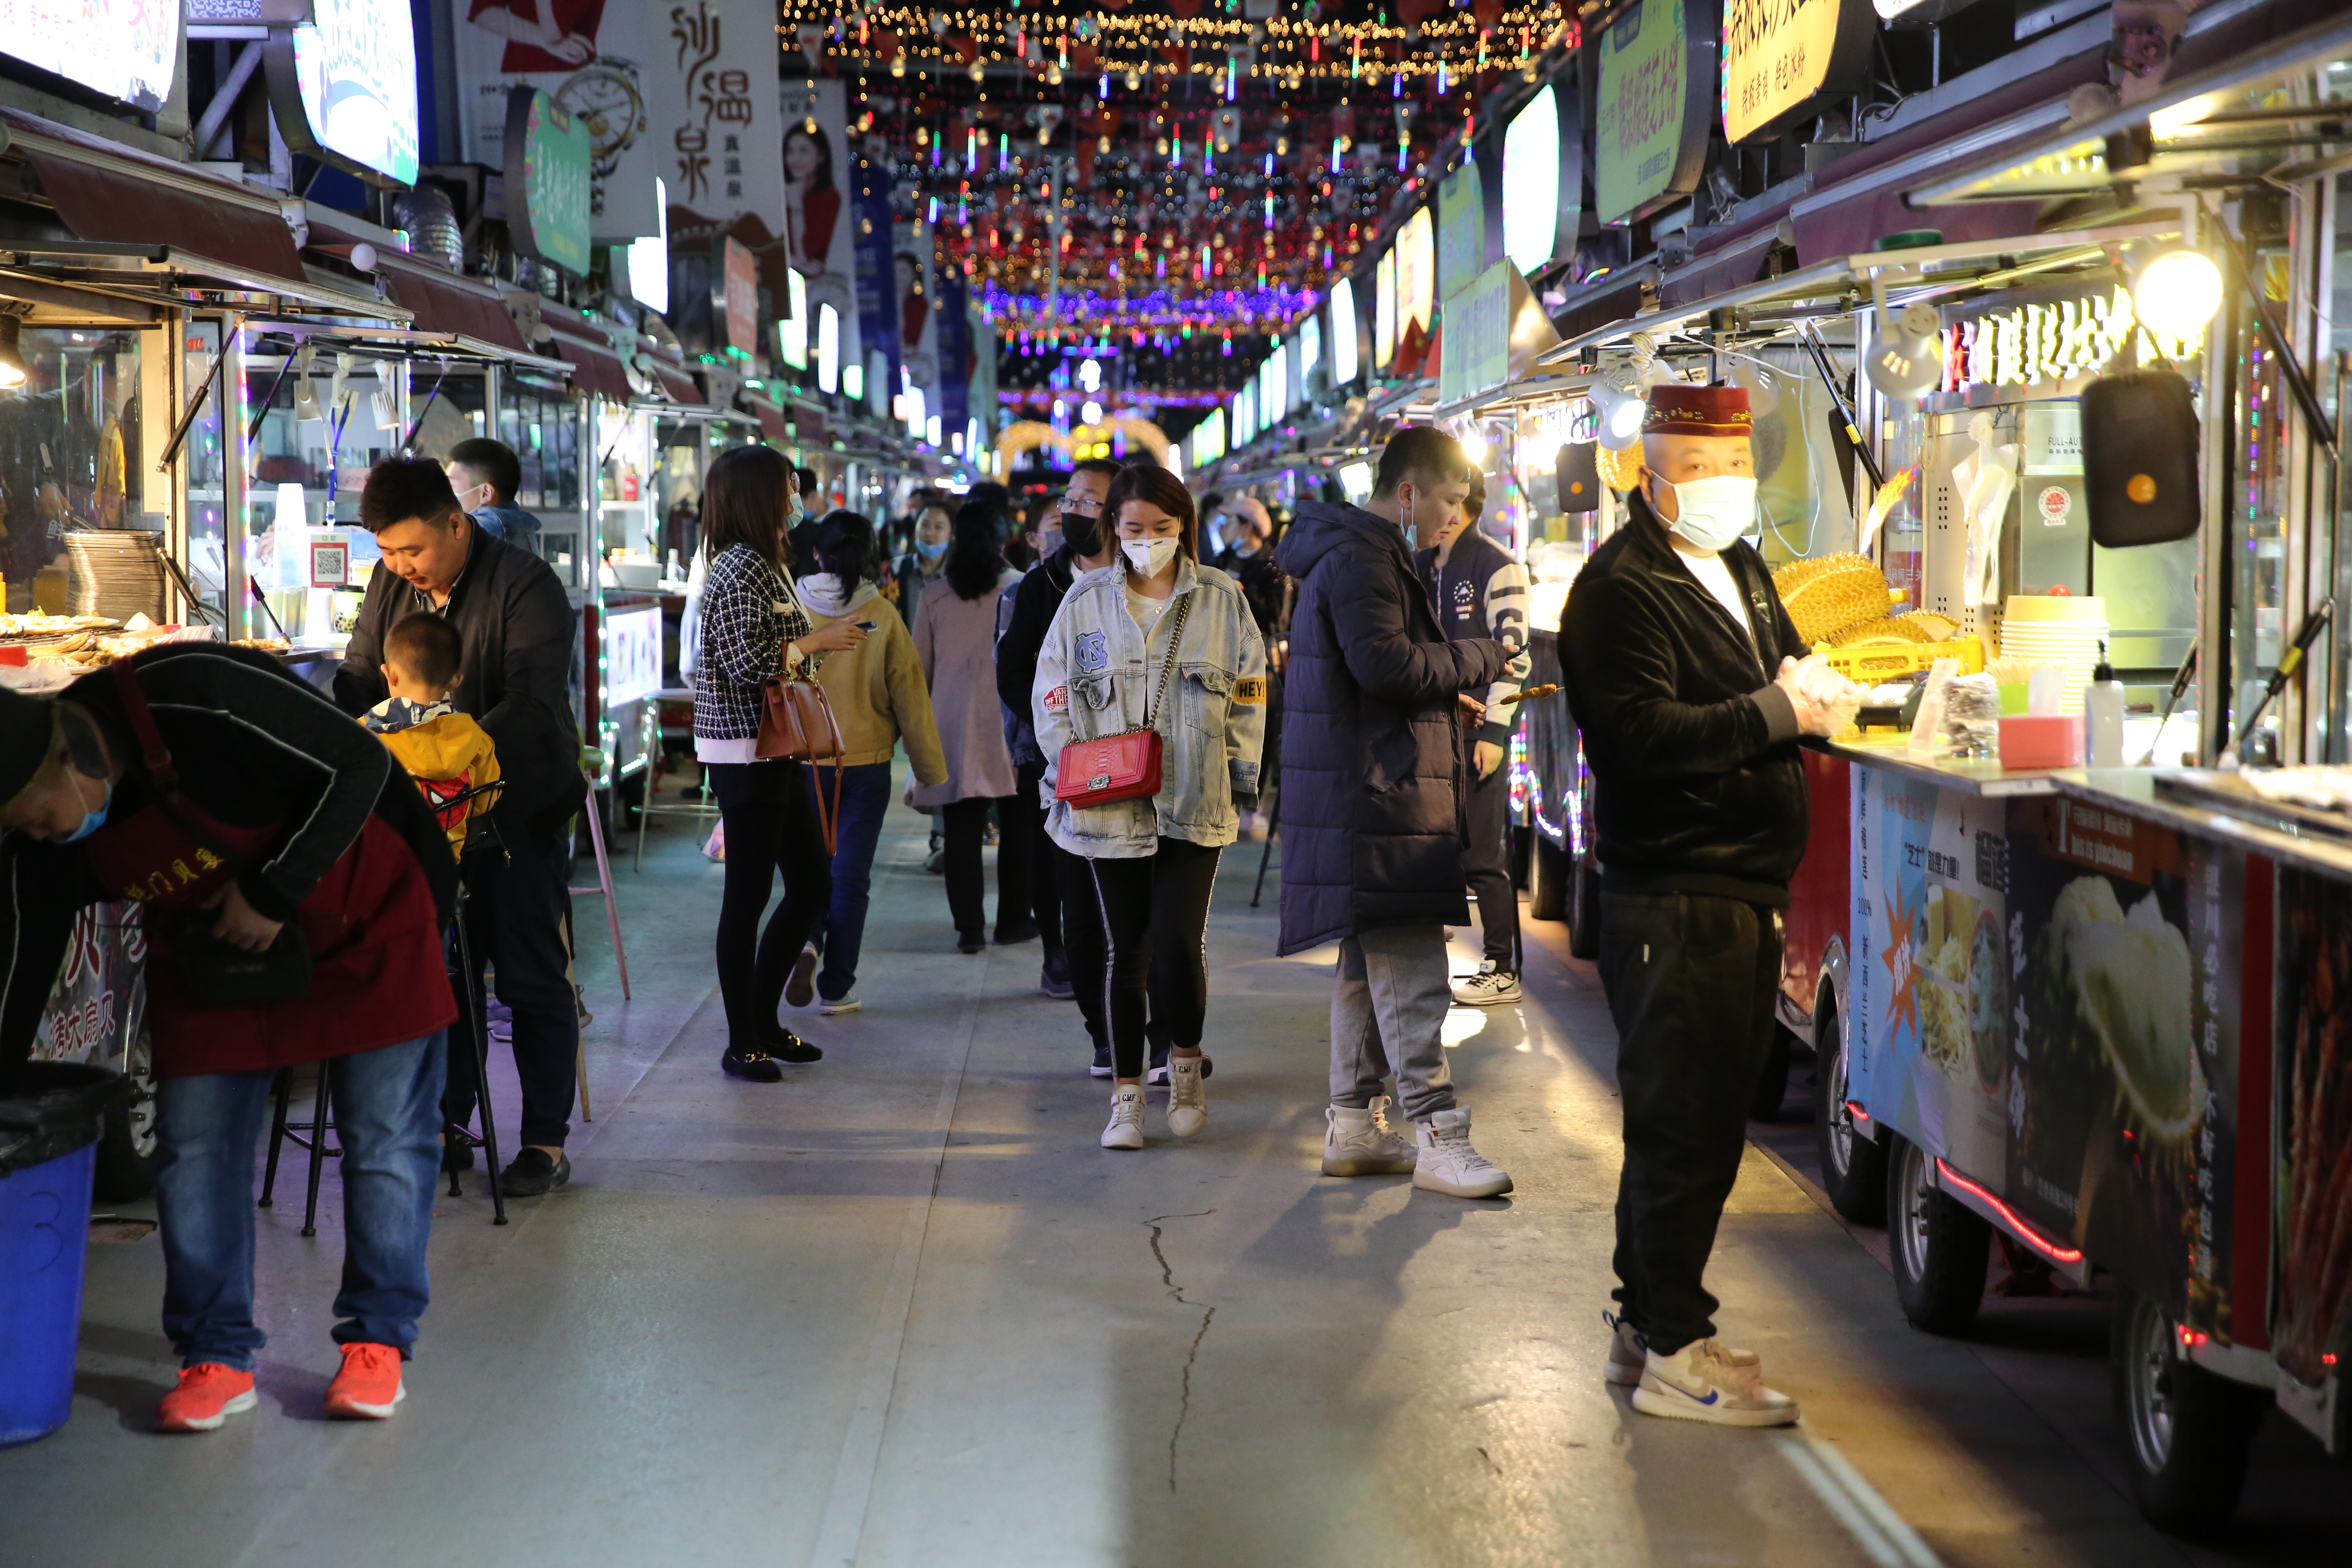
{"points": [[915, 291], [1469, 222], [1651, 115], [127, 49], [1344, 328], [716, 125], [548, 156], [879, 326], [592, 60], [1543, 176], [1478, 336], [739, 280], [1416, 274], [1782, 60], [1384, 301], [817, 162], [343, 87], [952, 340]]}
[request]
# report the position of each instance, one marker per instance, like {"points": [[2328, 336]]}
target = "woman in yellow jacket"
{"points": [[879, 697]]}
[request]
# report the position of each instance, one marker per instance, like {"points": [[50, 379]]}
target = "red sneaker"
{"points": [[368, 1387], [208, 1393]]}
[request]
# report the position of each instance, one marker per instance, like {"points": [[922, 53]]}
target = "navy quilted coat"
{"points": [[1371, 761]]}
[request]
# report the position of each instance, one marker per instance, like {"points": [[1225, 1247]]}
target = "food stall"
{"points": [[2088, 1010]]}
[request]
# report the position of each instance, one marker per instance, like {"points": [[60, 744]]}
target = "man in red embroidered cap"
{"points": [[1691, 688]]}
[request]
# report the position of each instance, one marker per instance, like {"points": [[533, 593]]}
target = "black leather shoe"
{"points": [[456, 1156], [758, 1066], [787, 1047], [533, 1174], [970, 944]]}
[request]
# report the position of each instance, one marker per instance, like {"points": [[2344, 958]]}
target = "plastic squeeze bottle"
{"points": [[2103, 715]]}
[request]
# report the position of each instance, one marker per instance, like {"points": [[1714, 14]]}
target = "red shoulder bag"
{"points": [[1125, 766]]}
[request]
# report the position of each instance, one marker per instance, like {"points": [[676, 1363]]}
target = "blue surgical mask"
{"points": [[91, 821], [929, 550]]}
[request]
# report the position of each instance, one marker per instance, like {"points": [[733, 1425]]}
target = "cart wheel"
{"points": [[1853, 1167], [1547, 871], [1939, 1245], [1772, 1084], [2189, 1431]]}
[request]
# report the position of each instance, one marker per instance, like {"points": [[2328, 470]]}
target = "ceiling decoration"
{"points": [[1150, 172]]}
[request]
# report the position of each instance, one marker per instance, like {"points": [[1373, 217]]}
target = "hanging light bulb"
{"points": [[2175, 291]]}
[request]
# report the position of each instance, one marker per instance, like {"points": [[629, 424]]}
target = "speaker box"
{"points": [[1576, 474], [2139, 458]]}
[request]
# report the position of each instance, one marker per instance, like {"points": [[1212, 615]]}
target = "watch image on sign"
{"points": [[548, 156], [1780, 59], [1650, 116], [344, 87]]}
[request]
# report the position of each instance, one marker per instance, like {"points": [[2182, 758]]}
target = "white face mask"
{"points": [[1713, 514], [1148, 557]]}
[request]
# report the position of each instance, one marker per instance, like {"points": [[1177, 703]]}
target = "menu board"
{"points": [[1780, 59], [1656, 95], [127, 49], [1416, 273]]}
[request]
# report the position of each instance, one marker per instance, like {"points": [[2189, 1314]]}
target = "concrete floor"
{"points": [[901, 1310]]}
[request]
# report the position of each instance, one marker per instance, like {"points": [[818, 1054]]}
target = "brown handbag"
{"points": [[796, 721]]}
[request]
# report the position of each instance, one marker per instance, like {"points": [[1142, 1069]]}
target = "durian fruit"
{"points": [[1622, 470], [1831, 594], [1896, 631], [1940, 629]]}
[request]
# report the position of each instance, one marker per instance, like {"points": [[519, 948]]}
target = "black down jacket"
{"points": [[1698, 783], [1371, 763]]}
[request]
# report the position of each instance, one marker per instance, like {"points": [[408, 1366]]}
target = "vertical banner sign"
{"points": [[1780, 60], [878, 321], [916, 289], [1416, 275], [1656, 95], [817, 163], [548, 157], [718, 141], [951, 338], [592, 58], [739, 276]]}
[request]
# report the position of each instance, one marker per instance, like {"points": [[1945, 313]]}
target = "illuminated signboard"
{"points": [[828, 352], [1208, 439], [1385, 322], [344, 87], [793, 332], [1656, 97], [1780, 59], [127, 49], [1416, 273], [1310, 350], [1245, 415], [2046, 341], [649, 268], [739, 273], [1543, 177], [548, 159], [1461, 228], [633, 655], [1343, 332]]}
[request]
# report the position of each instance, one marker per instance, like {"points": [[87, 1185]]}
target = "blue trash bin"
{"points": [[50, 1114]]}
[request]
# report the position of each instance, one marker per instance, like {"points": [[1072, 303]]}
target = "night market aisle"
{"points": [[901, 1310]]}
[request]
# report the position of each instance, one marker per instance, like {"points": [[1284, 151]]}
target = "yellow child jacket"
{"points": [[447, 757]]}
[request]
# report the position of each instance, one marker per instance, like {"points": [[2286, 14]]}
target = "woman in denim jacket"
{"points": [[1153, 859]]}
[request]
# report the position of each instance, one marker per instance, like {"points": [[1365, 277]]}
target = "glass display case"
{"points": [[69, 461], [542, 418]]}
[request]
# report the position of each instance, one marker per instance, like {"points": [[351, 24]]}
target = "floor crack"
{"points": [[1192, 1353]]}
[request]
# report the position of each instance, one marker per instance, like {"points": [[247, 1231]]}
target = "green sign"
{"points": [[1461, 229], [1650, 121], [1477, 320], [548, 153]]}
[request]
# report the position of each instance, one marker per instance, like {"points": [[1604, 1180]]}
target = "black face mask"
{"points": [[1082, 534]]}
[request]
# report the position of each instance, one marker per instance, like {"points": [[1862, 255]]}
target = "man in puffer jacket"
{"points": [[1371, 808]]}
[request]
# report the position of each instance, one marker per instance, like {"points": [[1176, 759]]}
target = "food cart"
{"points": [[2091, 1011]]}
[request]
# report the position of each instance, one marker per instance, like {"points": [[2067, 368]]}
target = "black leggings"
{"points": [[966, 878], [771, 825], [1155, 917]]}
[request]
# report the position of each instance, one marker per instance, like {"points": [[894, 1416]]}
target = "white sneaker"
{"points": [[800, 988], [1361, 1143], [1446, 1163], [1188, 1103], [1126, 1128], [840, 1005], [1489, 988], [1705, 1381], [1628, 1355]]}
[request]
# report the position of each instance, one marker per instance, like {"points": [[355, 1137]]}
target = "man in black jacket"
{"points": [[1691, 686], [1371, 808], [1061, 893], [516, 625]]}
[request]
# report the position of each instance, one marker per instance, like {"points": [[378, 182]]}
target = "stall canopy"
{"points": [[187, 230], [771, 421], [595, 367], [2271, 114]]}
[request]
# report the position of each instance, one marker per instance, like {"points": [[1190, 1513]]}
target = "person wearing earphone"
{"points": [[1371, 805], [1157, 642], [1691, 688]]}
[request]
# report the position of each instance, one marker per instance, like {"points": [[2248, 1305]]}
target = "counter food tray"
{"points": [[2226, 791]]}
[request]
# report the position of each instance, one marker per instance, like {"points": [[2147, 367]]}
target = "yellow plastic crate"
{"points": [[1878, 663]]}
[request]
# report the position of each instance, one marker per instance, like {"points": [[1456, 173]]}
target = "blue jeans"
{"points": [[841, 932], [387, 1113]]}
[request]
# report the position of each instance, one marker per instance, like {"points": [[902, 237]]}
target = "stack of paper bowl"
{"points": [[116, 572], [2060, 630]]}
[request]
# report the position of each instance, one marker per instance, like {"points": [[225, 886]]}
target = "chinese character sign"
{"points": [[715, 124]]}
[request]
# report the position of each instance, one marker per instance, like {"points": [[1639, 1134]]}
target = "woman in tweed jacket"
{"points": [[754, 626]]}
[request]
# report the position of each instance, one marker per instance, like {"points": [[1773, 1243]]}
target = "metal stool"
{"points": [[653, 771]]}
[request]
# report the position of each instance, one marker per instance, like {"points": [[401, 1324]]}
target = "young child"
{"points": [[443, 751]]}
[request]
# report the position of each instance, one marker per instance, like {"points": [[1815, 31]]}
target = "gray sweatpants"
{"points": [[1388, 1010]]}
